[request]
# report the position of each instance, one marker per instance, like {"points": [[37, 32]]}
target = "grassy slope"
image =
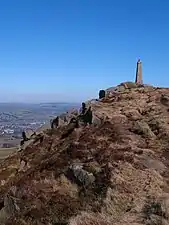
{"points": [[5, 152]]}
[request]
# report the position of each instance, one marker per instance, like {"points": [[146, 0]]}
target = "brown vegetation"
{"points": [[112, 172]]}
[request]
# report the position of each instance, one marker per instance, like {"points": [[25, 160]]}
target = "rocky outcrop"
{"points": [[165, 99], [113, 171], [124, 87], [64, 119], [80, 176]]}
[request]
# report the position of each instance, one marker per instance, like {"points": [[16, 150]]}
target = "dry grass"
{"points": [[91, 219], [5, 152], [128, 167]]}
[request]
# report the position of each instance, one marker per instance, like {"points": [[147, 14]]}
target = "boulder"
{"points": [[133, 114], [93, 167], [80, 176], [142, 128], [165, 100], [96, 121], [129, 84]]}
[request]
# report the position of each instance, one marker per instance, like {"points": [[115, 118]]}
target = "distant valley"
{"points": [[16, 117]]}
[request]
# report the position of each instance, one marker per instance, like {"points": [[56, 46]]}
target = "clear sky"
{"points": [[66, 50]]}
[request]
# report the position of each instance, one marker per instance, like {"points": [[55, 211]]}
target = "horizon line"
{"points": [[59, 102]]}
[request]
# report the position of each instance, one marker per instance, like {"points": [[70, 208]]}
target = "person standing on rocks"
{"points": [[102, 94], [83, 108], [24, 136], [55, 123], [89, 116]]}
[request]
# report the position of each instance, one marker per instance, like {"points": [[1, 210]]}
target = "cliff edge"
{"points": [[114, 171]]}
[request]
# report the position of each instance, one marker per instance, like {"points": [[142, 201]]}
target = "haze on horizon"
{"points": [[37, 98], [65, 51]]}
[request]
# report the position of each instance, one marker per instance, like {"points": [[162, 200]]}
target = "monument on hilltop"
{"points": [[139, 75]]}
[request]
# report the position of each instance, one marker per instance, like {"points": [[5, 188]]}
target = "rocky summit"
{"points": [[114, 171]]}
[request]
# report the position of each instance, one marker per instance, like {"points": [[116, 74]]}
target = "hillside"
{"points": [[114, 171]]}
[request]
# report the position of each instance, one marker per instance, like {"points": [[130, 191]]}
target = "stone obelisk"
{"points": [[139, 75]]}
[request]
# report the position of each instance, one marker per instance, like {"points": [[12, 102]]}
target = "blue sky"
{"points": [[66, 50]]}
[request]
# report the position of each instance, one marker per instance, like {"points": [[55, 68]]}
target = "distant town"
{"points": [[15, 118]]}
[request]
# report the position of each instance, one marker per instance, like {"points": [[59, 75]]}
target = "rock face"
{"points": [[114, 171], [80, 176], [124, 87], [63, 119]]}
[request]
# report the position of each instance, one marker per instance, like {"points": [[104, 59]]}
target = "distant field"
{"points": [[5, 152], [7, 142]]}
